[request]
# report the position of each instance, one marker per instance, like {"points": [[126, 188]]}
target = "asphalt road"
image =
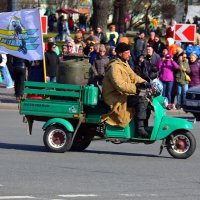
{"points": [[104, 171]]}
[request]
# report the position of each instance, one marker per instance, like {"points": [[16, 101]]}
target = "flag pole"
{"points": [[44, 61]]}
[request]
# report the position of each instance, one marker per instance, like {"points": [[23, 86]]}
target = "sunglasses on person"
{"points": [[69, 46], [53, 47]]}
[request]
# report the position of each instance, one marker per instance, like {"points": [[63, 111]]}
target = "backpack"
{"points": [[111, 41]]}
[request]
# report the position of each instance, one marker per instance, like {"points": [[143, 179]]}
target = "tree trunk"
{"points": [[147, 17], [116, 13], [100, 14], [120, 9], [122, 12], [185, 10]]}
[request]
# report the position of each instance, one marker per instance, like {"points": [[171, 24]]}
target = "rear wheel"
{"points": [[81, 143], [57, 139], [83, 138], [181, 144]]}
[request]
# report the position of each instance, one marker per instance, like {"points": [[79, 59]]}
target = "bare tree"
{"points": [[168, 9], [100, 13], [120, 10], [143, 9], [186, 2]]}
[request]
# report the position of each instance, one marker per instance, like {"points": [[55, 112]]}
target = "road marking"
{"points": [[139, 195], [17, 197], [78, 195]]}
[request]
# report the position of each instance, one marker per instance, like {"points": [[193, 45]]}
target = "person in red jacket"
{"points": [[170, 30], [71, 24]]}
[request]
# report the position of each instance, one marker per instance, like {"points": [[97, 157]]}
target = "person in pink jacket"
{"points": [[167, 66]]}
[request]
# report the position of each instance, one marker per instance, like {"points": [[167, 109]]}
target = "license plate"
{"points": [[192, 103]]}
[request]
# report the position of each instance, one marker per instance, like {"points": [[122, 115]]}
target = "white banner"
{"points": [[20, 34]]}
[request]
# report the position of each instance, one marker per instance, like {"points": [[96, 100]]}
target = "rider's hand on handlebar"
{"points": [[148, 85]]}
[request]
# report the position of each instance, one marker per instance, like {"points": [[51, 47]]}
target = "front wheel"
{"points": [[57, 139], [181, 144]]}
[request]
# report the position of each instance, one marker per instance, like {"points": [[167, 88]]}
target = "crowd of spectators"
{"points": [[152, 56]]}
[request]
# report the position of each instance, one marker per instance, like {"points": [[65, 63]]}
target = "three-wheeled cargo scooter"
{"points": [[71, 115]]}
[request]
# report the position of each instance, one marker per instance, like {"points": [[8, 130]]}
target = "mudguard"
{"points": [[170, 124], [64, 122]]}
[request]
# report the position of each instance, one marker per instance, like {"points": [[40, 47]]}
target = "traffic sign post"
{"points": [[44, 24], [185, 32]]}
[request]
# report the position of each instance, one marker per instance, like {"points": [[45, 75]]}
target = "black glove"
{"points": [[143, 85], [148, 85]]}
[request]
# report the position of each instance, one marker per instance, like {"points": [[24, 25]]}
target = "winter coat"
{"points": [[52, 61], [195, 73], [60, 25], [119, 82], [101, 37], [169, 33], [36, 71], [18, 63], [167, 69], [180, 75], [93, 56], [158, 47], [98, 67], [151, 65], [141, 70], [139, 46]]}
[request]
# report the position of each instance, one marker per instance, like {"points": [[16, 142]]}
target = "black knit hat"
{"points": [[121, 47]]}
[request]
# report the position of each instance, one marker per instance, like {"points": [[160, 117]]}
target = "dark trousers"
{"points": [[19, 75], [140, 104]]}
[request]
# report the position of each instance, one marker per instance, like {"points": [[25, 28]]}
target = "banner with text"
{"points": [[20, 34]]}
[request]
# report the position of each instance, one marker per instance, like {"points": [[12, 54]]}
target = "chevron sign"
{"points": [[185, 32]]}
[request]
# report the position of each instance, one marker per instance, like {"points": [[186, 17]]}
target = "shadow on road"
{"points": [[35, 148], [124, 154], [23, 147]]}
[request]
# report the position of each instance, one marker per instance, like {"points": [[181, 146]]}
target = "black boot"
{"points": [[140, 131]]}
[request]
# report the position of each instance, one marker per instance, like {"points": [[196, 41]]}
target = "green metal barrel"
{"points": [[74, 70]]}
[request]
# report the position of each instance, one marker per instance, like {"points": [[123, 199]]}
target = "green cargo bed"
{"points": [[52, 99]]}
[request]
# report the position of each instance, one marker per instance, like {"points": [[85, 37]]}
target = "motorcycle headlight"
{"points": [[157, 87], [165, 103]]}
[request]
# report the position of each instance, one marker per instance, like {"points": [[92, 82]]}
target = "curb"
{"points": [[9, 106], [176, 113], [179, 113]]}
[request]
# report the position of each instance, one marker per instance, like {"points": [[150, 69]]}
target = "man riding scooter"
{"points": [[120, 92]]}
